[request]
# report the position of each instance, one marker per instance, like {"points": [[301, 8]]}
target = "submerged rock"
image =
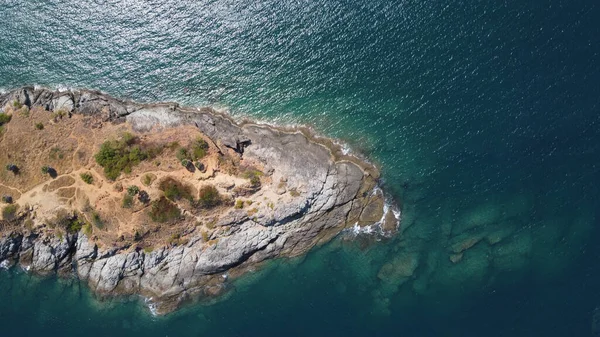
{"points": [[513, 254], [400, 269], [471, 270]]}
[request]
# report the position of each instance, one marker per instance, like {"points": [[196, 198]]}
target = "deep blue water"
{"points": [[480, 112]]}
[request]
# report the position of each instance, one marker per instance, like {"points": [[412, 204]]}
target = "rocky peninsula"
{"points": [[168, 202]]}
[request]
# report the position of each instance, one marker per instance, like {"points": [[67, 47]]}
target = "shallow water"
{"points": [[483, 116]]}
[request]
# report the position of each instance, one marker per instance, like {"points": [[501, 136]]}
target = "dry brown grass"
{"points": [[69, 144]]}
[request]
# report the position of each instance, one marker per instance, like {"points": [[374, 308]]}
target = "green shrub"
{"points": [[239, 204], [75, 225], [12, 168], [24, 112], [39, 126], [182, 154], [87, 178], [17, 104], [4, 118], [49, 171], [87, 229], [133, 190], [174, 239], [253, 175], [199, 148], [208, 197], [174, 190], [147, 179], [122, 155], [144, 197], [163, 210], [71, 223], [196, 151], [127, 201], [56, 153], [97, 220], [9, 212]]}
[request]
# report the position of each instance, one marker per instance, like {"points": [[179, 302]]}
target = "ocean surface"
{"points": [[483, 115]]}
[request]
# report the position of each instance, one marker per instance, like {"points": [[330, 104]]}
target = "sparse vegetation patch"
{"points": [[87, 178], [4, 118], [209, 197], [163, 210], [127, 201], [175, 190], [122, 155], [9, 212], [253, 175]]}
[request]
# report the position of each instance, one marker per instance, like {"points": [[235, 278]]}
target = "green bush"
{"points": [[12, 168], [144, 197], [208, 197], [9, 212], [71, 223], [163, 210], [39, 126], [4, 118], [253, 175], [239, 204], [87, 178], [122, 155], [147, 179], [196, 151], [182, 154], [127, 201], [56, 153], [87, 229], [75, 226], [199, 148], [174, 190], [47, 170], [97, 220], [133, 190]]}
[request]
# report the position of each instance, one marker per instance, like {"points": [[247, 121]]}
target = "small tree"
{"points": [[188, 165], [133, 190], [9, 212], [87, 177], [12, 168], [7, 199], [127, 201], [209, 197], [45, 169], [144, 197]]}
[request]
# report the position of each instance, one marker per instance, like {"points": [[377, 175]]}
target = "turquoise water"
{"points": [[484, 117]]}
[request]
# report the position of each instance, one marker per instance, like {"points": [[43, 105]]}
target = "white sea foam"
{"points": [[377, 227], [151, 306], [5, 264]]}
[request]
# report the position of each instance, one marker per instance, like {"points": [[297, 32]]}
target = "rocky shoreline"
{"points": [[335, 192]]}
